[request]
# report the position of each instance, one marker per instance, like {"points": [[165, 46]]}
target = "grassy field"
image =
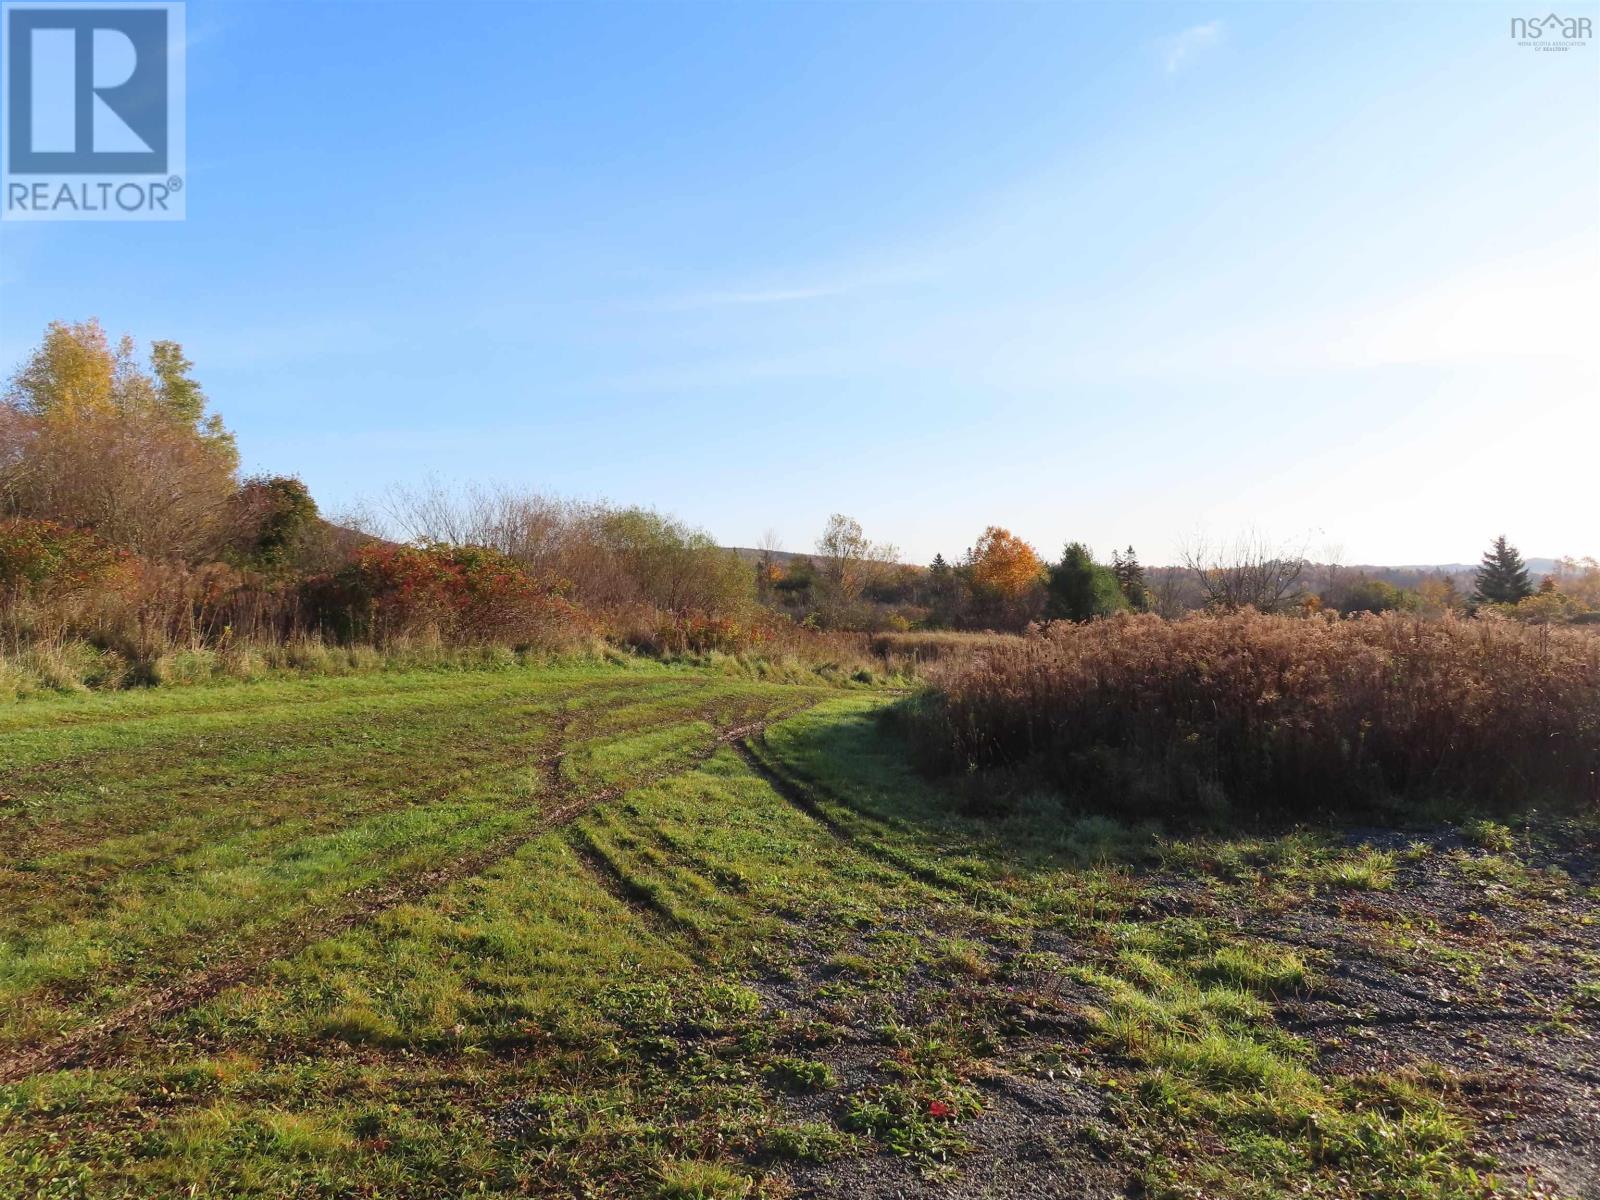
{"points": [[651, 932]]}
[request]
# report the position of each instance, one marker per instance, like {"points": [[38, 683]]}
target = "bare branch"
{"points": [[1250, 572]]}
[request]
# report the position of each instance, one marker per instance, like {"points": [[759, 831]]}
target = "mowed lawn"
{"points": [[640, 931]]}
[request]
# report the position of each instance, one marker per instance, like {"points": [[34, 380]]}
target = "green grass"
{"points": [[543, 932]]}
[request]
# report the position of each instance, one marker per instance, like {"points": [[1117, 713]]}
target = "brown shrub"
{"points": [[763, 635], [607, 559], [137, 481], [457, 595], [918, 649], [1280, 714], [49, 573]]}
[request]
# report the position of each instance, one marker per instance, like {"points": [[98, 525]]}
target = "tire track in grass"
{"points": [[80, 828], [639, 898], [801, 794], [601, 862], [718, 878], [182, 730], [434, 778], [92, 1042], [793, 792]]}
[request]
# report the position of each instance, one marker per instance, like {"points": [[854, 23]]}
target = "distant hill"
{"points": [[754, 556], [1409, 576], [1536, 566], [784, 557]]}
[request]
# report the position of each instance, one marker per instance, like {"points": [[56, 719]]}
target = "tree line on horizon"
{"points": [[124, 517], [1003, 583]]}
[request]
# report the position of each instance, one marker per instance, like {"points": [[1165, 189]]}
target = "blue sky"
{"points": [[1118, 272]]}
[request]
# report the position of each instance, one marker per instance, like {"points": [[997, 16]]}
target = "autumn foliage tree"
{"points": [[1580, 579], [848, 560], [1005, 565], [95, 438], [1438, 595], [1006, 576]]}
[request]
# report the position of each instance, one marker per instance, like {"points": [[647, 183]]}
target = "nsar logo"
{"points": [[1551, 32]]}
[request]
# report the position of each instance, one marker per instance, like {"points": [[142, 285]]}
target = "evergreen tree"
{"points": [[944, 588], [1080, 588], [1130, 578], [1503, 577]]}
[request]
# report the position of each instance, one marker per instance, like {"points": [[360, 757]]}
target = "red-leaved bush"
{"points": [[1280, 714], [48, 571], [40, 559], [462, 595]]}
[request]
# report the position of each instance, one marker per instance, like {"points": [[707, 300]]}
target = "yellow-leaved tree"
{"points": [[92, 438], [1007, 578], [1004, 565]]}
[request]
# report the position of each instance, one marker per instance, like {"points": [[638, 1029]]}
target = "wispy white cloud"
{"points": [[1180, 48], [758, 296], [824, 284], [731, 372]]}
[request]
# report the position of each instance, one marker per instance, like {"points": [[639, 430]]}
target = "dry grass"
{"points": [[70, 666], [923, 648], [1280, 714], [790, 655]]}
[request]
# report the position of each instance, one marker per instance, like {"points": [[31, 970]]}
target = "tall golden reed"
{"points": [[1282, 713]]}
